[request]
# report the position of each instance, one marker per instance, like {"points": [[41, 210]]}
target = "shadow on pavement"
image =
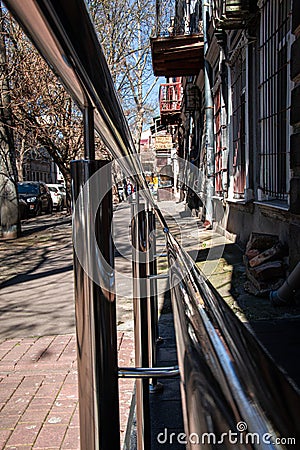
{"points": [[36, 296], [22, 278], [29, 228]]}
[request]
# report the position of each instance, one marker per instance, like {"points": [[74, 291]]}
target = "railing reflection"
{"points": [[228, 378]]}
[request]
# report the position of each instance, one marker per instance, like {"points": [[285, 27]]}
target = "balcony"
{"points": [[233, 14], [170, 102], [177, 56]]}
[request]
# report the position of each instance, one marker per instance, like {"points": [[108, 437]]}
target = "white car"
{"points": [[57, 196]]}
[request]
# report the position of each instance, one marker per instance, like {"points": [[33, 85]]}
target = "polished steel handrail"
{"points": [[227, 377]]}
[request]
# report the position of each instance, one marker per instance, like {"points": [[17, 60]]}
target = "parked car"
{"points": [[61, 190], [37, 196], [56, 196]]}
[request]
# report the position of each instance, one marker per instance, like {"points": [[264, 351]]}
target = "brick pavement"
{"points": [[38, 375], [39, 392]]}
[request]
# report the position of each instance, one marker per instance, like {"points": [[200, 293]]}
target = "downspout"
{"points": [[209, 123]]}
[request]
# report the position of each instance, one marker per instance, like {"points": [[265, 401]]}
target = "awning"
{"points": [[177, 56]]}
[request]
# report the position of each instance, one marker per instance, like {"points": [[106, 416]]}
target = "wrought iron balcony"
{"points": [[233, 14], [170, 101]]}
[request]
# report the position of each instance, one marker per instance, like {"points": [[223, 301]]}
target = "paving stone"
{"points": [[49, 390], [75, 419], [52, 434], [33, 415], [19, 447], [24, 434], [15, 406], [71, 440], [63, 418], [4, 436], [8, 422]]}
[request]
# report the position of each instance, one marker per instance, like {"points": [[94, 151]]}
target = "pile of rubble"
{"points": [[265, 262]]}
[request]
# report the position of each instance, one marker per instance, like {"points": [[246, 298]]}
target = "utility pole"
{"points": [[9, 215], [209, 123]]}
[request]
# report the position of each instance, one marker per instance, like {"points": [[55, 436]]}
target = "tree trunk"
{"points": [[20, 160], [9, 211]]}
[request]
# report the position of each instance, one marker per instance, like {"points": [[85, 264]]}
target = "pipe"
{"points": [[89, 133], [187, 18], [227, 379], [285, 294], [209, 113], [152, 302]]}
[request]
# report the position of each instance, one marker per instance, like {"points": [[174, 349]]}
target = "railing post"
{"points": [[89, 131], [96, 330], [140, 309], [153, 305]]}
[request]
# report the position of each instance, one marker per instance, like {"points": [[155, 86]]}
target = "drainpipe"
{"points": [[285, 294], [209, 113]]}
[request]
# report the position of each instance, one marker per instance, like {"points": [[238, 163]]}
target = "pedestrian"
{"points": [[129, 191]]}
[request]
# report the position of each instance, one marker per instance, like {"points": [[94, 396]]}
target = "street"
{"points": [[37, 291]]}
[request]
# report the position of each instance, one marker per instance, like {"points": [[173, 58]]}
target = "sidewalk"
{"points": [[39, 392], [38, 368]]}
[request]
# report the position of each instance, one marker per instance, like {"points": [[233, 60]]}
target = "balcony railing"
{"points": [[170, 98], [232, 14]]}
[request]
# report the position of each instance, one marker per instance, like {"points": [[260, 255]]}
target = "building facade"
{"points": [[244, 125], [38, 165]]}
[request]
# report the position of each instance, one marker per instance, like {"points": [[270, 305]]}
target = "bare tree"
{"points": [[124, 28], [44, 115], [9, 217]]}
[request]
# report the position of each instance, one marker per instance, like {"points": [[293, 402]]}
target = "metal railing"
{"points": [[231, 14], [229, 383], [170, 98]]}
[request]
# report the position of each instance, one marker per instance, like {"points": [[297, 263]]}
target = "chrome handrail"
{"points": [[229, 379]]}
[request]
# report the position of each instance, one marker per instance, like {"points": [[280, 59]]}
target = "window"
{"points": [[238, 89], [218, 141], [220, 120], [274, 98]]}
